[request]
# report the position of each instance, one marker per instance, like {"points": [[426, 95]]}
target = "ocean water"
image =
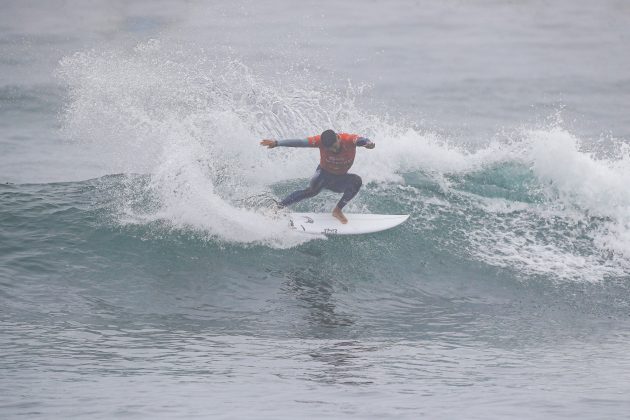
{"points": [[140, 277]]}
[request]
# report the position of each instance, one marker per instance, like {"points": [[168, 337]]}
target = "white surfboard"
{"points": [[325, 223]]}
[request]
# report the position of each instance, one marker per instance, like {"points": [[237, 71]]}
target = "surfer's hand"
{"points": [[370, 145], [269, 143]]}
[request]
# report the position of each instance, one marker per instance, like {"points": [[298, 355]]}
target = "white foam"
{"points": [[586, 198], [596, 186]]}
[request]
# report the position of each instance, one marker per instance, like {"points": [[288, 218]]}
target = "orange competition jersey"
{"points": [[336, 163]]}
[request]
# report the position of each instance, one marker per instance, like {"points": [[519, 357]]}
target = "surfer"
{"points": [[337, 151]]}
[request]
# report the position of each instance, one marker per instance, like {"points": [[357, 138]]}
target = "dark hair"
{"points": [[328, 138]]}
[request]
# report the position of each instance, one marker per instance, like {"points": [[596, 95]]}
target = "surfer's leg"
{"points": [[349, 185], [314, 187]]}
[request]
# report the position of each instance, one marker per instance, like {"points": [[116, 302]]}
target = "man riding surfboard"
{"points": [[337, 152]]}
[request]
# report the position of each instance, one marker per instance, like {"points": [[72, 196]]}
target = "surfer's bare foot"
{"points": [[337, 214]]}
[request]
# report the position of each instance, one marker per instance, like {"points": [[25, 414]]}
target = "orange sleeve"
{"points": [[348, 138], [314, 141]]}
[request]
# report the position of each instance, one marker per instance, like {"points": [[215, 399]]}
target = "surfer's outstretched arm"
{"points": [[286, 143], [365, 142]]}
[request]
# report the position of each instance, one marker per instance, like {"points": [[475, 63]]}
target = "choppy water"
{"points": [[136, 280]]}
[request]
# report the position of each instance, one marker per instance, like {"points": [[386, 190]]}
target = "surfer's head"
{"points": [[328, 138]]}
